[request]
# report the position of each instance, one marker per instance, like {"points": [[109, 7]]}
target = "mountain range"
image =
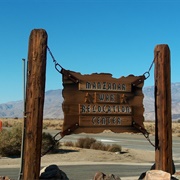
{"points": [[54, 99]]}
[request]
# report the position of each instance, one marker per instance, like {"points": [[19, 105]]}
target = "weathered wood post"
{"points": [[163, 120], [35, 90]]}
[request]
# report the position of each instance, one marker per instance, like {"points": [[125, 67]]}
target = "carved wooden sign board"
{"points": [[97, 102]]}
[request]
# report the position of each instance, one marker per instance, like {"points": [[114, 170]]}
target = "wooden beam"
{"points": [[163, 119], [35, 90]]}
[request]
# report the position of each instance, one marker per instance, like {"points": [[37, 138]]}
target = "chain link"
{"points": [[147, 73], [150, 141], [146, 135], [55, 141], [62, 134], [144, 132], [58, 67]]}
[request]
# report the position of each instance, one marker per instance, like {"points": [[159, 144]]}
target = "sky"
{"points": [[87, 36]]}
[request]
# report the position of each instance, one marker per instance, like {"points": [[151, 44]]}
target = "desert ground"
{"points": [[83, 155], [57, 124], [74, 155]]}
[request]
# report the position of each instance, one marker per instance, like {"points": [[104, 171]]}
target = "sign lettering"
{"points": [[110, 98], [107, 97], [104, 109], [104, 86], [105, 121], [98, 102]]}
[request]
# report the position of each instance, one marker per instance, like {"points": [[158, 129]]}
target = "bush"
{"points": [[85, 142], [48, 142], [10, 142], [69, 143], [45, 126], [91, 143], [99, 146], [5, 124], [115, 148]]}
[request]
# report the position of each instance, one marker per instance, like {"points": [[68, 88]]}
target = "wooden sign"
{"points": [[97, 102]]}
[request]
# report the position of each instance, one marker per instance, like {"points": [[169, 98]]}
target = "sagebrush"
{"points": [[10, 142], [91, 143]]}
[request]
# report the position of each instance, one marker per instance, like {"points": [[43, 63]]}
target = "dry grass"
{"points": [[57, 124], [52, 124], [11, 122], [150, 127], [47, 123]]}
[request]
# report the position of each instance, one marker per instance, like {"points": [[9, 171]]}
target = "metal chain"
{"points": [[62, 134], [146, 135], [58, 67], [144, 132], [147, 73], [141, 129], [55, 141]]}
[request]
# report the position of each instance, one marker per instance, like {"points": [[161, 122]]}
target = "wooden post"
{"points": [[163, 120], [35, 90]]}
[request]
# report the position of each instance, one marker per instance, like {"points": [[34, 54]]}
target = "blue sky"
{"points": [[110, 36]]}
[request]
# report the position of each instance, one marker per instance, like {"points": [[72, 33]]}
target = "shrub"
{"points": [[98, 146], [48, 143], [91, 143], [69, 143], [85, 142], [5, 124], [115, 148], [10, 142], [45, 126]]}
